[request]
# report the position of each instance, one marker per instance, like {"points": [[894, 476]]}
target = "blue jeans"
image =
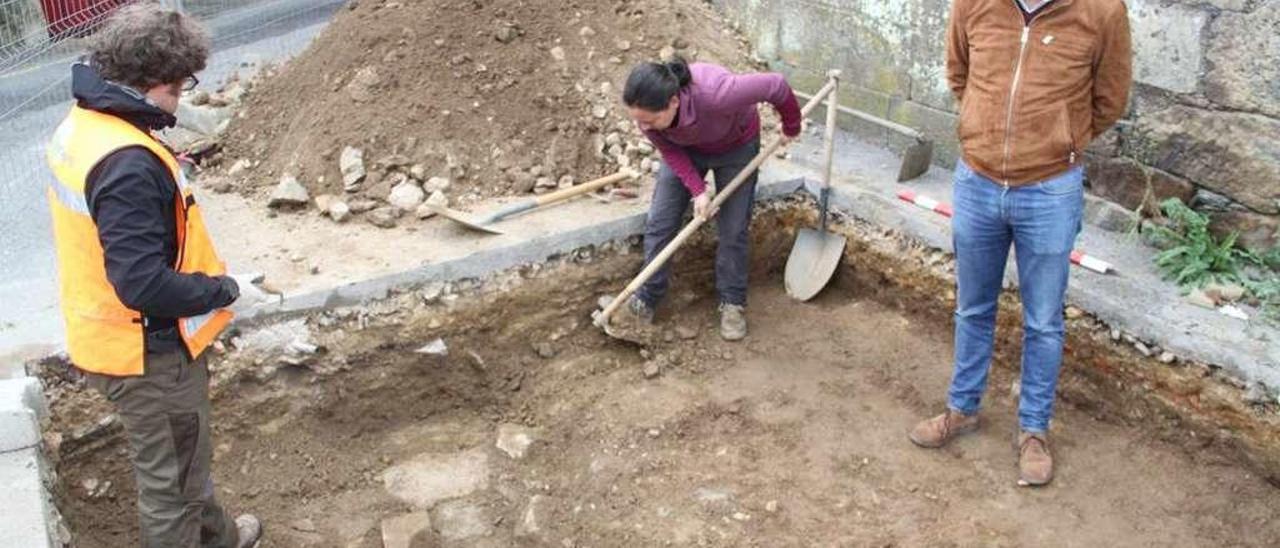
{"points": [[1041, 221]]}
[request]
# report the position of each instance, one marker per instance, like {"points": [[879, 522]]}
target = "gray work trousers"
{"points": [[666, 212], [165, 413]]}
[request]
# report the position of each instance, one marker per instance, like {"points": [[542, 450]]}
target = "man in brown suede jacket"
{"points": [[1037, 80]]}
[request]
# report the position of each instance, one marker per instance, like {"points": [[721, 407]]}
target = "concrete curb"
{"points": [[28, 516], [480, 263]]}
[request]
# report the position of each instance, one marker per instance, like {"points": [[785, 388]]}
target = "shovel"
{"points": [[915, 159], [482, 224], [817, 253], [601, 318]]}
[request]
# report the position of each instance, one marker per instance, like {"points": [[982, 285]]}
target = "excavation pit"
{"points": [[537, 429]]}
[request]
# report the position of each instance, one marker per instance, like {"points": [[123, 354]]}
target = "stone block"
{"points": [[1108, 216], [1257, 232], [1242, 74], [411, 530], [430, 478], [21, 406], [461, 520], [1166, 44], [1234, 154], [1133, 185], [27, 515]]}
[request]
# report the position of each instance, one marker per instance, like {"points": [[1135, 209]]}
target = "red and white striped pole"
{"points": [[1078, 257]]}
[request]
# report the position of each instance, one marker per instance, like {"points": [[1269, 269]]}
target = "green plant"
{"points": [[1195, 257]]}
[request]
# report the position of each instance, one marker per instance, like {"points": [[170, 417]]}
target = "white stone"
{"points": [[434, 348], [339, 211], [351, 162], [600, 111], [406, 531], [557, 53], [242, 165], [514, 440], [458, 520], [289, 193], [426, 210], [418, 171], [432, 477], [435, 184], [407, 195]]}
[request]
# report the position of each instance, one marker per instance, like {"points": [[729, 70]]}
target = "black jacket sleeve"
{"points": [[131, 199]]}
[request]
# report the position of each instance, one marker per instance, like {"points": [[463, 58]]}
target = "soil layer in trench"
{"points": [[794, 437]]}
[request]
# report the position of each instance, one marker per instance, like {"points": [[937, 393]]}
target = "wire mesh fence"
{"points": [[39, 39]]}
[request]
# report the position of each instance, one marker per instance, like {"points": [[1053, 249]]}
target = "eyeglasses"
{"points": [[189, 83]]}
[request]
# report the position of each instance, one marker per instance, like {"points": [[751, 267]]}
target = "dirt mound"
{"points": [[496, 96]]}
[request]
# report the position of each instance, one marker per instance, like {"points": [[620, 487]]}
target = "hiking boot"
{"points": [[1035, 462], [938, 431], [733, 322], [249, 531]]}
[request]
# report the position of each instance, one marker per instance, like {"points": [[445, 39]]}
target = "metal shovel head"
{"points": [[916, 160], [813, 260], [462, 219]]}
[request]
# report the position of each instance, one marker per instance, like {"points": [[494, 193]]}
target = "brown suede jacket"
{"points": [[1033, 96]]}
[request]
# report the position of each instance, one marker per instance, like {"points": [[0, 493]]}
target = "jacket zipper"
{"points": [[1017, 77], [1013, 93]]}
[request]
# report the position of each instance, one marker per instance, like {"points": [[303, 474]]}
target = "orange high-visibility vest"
{"points": [[103, 335]]}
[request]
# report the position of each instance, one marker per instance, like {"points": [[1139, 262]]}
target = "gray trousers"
{"points": [[165, 413], [666, 212]]}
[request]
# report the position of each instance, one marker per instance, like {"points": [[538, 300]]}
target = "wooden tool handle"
{"points": [[666, 253], [589, 186]]}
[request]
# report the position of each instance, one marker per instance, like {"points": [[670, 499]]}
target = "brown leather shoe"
{"points": [[936, 432], [1035, 462]]}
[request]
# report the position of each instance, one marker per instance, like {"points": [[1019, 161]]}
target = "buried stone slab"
{"points": [[461, 520], [430, 478], [411, 530], [514, 440]]}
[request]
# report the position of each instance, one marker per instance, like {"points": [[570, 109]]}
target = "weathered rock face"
{"points": [[1242, 51], [1230, 153], [1256, 231], [1134, 185]]}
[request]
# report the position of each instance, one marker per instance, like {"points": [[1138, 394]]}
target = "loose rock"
{"points": [[557, 53], [289, 193], [434, 348], [351, 162], [384, 217], [242, 165], [514, 440], [652, 369], [339, 211], [407, 195], [435, 184]]}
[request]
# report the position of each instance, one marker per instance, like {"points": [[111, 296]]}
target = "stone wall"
{"points": [[1203, 123]]}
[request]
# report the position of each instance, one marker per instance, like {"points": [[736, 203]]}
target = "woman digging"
{"points": [[702, 118]]}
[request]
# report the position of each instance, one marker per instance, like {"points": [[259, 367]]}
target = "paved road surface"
{"points": [[29, 319]]}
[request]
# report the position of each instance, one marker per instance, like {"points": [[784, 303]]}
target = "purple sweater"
{"points": [[718, 114]]}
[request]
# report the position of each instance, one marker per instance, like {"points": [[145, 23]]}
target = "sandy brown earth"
{"points": [[795, 437], [491, 94]]}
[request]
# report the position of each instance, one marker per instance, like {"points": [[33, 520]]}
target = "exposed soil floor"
{"points": [[794, 437]]}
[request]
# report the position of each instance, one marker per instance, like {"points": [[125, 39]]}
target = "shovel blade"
{"points": [[462, 219], [916, 160], [812, 262]]}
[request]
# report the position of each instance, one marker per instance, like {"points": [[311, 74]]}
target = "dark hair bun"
{"points": [[652, 85]]}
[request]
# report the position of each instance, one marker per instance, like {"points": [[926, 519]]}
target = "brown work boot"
{"points": [[1035, 462], [938, 431]]}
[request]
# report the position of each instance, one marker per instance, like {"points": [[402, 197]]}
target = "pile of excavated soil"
{"points": [[498, 97]]}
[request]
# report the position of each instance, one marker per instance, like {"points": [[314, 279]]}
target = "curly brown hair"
{"points": [[144, 45]]}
